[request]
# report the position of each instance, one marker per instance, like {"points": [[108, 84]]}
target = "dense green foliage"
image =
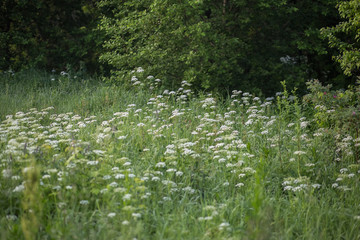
{"points": [[221, 44], [49, 34], [85, 160], [214, 45], [346, 37]]}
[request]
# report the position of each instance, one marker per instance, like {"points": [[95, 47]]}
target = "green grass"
{"points": [[122, 163]]}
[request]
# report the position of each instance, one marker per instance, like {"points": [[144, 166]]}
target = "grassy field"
{"points": [[85, 160]]}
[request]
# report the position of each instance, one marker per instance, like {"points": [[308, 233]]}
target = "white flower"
{"points": [[299, 153], [134, 79], [155, 179], [304, 124], [98, 152], [160, 164], [6, 173], [136, 215], [11, 217], [249, 122], [125, 222], [224, 225], [205, 218], [46, 176], [84, 202], [140, 124], [113, 184], [111, 215], [19, 188], [106, 177], [92, 163], [239, 185], [127, 197]]}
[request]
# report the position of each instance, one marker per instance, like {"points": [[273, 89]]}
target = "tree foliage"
{"points": [[220, 44], [48, 33], [345, 37]]}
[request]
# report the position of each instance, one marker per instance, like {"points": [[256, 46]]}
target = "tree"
{"points": [[48, 34], [234, 44], [345, 37]]}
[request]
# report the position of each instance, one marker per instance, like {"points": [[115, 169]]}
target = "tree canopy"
{"points": [[221, 44], [345, 37], [214, 44]]}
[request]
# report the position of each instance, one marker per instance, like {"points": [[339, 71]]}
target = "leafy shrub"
{"points": [[336, 111]]}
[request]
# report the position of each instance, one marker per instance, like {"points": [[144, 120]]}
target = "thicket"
{"points": [[215, 45], [48, 34]]}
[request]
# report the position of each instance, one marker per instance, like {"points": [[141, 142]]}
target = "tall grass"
{"points": [[141, 162]]}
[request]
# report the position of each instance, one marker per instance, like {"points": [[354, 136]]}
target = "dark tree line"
{"points": [[214, 44], [48, 34]]}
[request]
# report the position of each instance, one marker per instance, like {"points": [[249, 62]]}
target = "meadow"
{"points": [[81, 159]]}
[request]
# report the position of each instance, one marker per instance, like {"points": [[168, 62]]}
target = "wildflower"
{"points": [[92, 163], [304, 124], [166, 199], [299, 153], [98, 152], [136, 215], [249, 122], [224, 225], [19, 188], [125, 222], [160, 165], [106, 177], [11, 217], [155, 179], [111, 215], [119, 176], [127, 197], [239, 185], [205, 218], [84, 202], [6, 173]]}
